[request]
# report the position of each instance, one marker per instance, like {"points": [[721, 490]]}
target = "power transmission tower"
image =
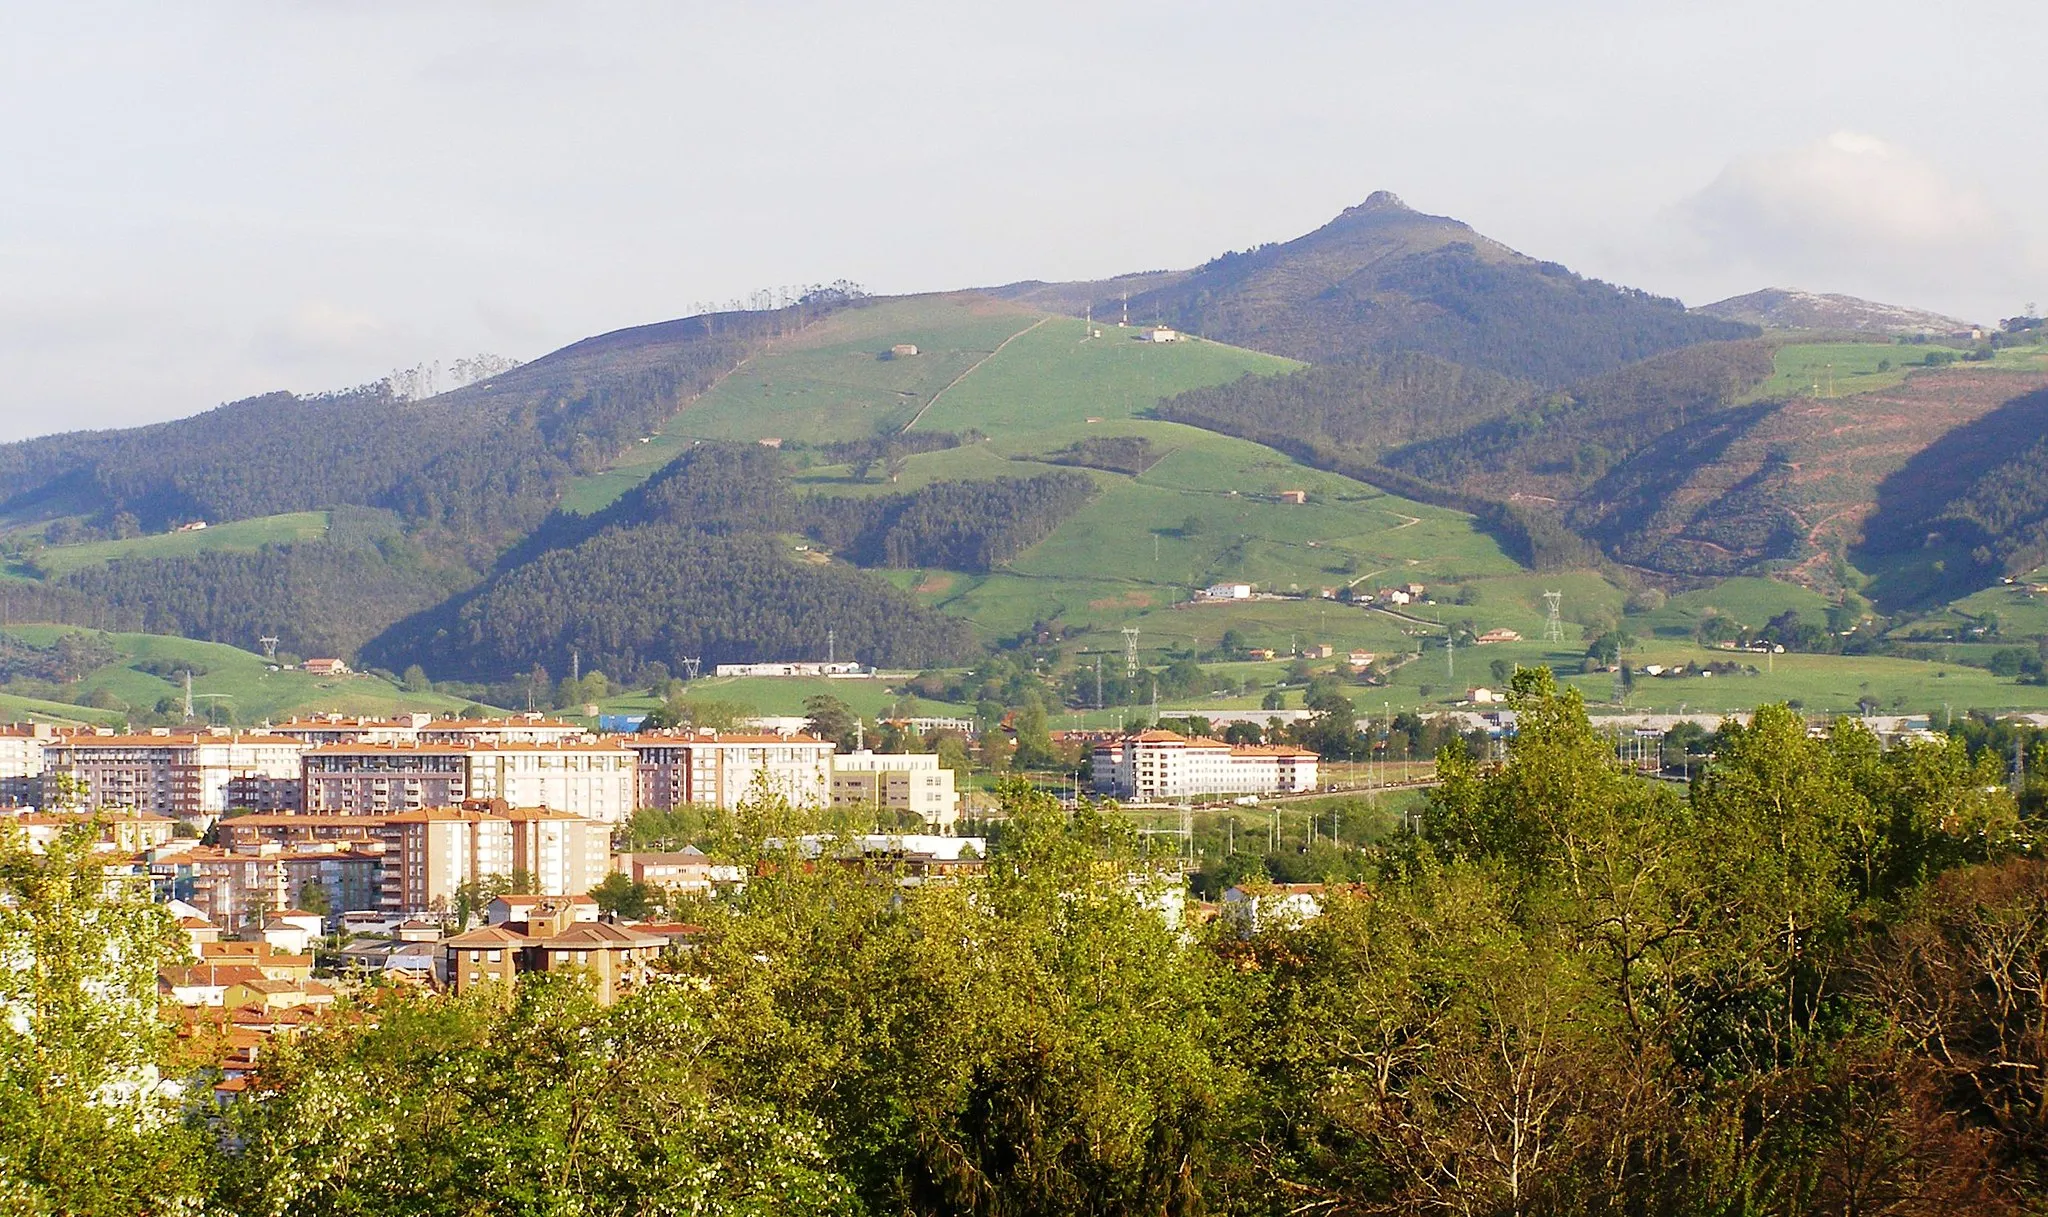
{"points": [[269, 648], [1553, 625], [1098, 682], [690, 664], [1451, 655], [1130, 652], [831, 646]]}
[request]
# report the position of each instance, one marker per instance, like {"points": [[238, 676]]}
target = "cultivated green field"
{"points": [[237, 536], [236, 685]]}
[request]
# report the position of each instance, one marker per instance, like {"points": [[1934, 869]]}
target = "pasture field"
{"points": [[786, 695], [1748, 600], [235, 682], [1855, 367], [1055, 374], [236, 536], [834, 381]]}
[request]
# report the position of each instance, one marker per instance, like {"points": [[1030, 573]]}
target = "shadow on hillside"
{"points": [[1920, 553]]}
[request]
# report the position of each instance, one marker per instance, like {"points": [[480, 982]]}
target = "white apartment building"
{"points": [[589, 778], [725, 769], [185, 775], [322, 730], [21, 762], [1160, 765], [897, 781]]}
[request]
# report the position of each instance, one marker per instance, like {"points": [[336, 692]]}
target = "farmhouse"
{"points": [[1497, 636]]}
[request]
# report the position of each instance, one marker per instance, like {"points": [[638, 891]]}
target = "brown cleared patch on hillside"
{"points": [[1797, 484]]}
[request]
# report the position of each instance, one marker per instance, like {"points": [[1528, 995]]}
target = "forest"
{"points": [[692, 563], [970, 526], [1810, 982], [481, 464], [632, 596], [1367, 405]]}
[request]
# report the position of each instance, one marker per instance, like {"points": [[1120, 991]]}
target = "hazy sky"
{"points": [[204, 201]]}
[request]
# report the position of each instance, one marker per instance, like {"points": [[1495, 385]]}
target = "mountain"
{"points": [[1776, 308], [926, 477], [1383, 278]]}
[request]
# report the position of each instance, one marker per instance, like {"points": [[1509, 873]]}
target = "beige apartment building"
{"points": [[566, 854], [724, 769], [430, 853], [899, 782]]}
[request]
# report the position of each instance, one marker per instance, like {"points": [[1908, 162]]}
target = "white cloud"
{"points": [[1853, 212]]}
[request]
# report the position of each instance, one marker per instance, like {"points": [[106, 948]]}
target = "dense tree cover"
{"points": [[631, 596], [970, 526], [1581, 432], [1983, 487], [487, 460], [1810, 983], [69, 657], [1131, 454], [1382, 278], [88, 1124], [1368, 405], [316, 597], [688, 563]]}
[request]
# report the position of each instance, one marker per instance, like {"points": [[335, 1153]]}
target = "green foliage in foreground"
{"points": [[1812, 983]]}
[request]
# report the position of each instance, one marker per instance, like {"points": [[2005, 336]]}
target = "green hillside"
{"points": [[232, 685], [236, 536]]}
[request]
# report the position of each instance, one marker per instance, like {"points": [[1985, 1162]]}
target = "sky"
{"points": [[207, 201]]}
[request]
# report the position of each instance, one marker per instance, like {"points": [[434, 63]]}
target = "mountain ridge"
{"points": [[1777, 308]]}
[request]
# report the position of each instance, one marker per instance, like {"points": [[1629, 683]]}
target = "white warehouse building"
{"points": [[1159, 765]]}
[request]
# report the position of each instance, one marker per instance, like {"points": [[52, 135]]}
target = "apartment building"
{"points": [[375, 779], [587, 777], [686, 871], [227, 888], [21, 762], [188, 776], [322, 730], [724, 769], [897, 782], [1157, 765], [431, 852], [566, 854], [592, 778], [119, 832], [553, 938]]}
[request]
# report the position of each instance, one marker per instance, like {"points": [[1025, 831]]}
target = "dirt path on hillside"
{"points": [[969, 372]]}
